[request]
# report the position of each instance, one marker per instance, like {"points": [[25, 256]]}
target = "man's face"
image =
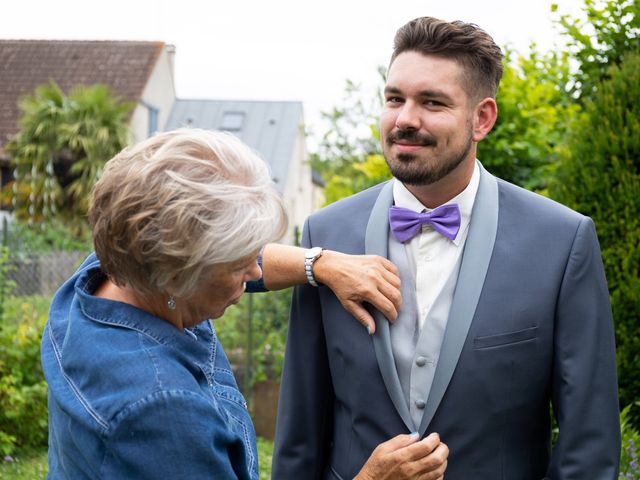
{"points": [[426, 124]]}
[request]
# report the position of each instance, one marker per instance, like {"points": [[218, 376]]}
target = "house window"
{"points": [[153, 120], [232, 121]]}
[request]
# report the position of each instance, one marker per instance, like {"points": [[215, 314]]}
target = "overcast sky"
{"points": [[275, 49]]}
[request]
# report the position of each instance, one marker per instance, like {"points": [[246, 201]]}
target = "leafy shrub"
{"points": [[629, 462], [44, 237], [524, 145], [269, 314], [6, 285], [23, 391]]}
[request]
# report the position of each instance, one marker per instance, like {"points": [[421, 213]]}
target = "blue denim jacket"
{"points": [[133, 397]]}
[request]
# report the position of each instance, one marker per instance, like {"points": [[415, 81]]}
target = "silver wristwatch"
{"points": [[311, 256]]}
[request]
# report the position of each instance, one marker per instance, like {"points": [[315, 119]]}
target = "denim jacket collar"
{"points": [[112, 312]]}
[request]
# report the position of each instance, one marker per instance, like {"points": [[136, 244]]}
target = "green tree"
{"points": [[599, 176], [349, 157], [534, 112], [598, 39], [61, 148], [362, 175]]}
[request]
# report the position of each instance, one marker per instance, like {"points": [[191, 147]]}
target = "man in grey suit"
{"points": [[505, 304]]}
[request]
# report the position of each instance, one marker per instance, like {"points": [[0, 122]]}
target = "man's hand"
{"points": [[356, 279], [403, 457]]}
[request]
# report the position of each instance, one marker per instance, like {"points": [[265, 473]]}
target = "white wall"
{"points": [[159, 93], [298, 193]]}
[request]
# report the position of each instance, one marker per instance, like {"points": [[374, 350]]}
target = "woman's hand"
{"points": [[404, 457], [356, 279]]}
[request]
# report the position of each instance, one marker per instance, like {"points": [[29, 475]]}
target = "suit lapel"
{"points": [[376, 243], [473, 270]]}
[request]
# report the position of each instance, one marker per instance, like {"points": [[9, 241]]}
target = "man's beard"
{"points": [[412, 169]]}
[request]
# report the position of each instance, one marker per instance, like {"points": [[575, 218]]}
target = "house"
{"points": [[143, 73], [139, 72], [275, 130]]}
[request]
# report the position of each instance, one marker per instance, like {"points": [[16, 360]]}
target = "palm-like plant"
{"points": [[61, 149]]}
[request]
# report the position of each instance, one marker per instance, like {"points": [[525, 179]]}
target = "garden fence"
{"points": [[40, 273]]}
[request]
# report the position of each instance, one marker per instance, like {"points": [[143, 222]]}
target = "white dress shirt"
{"points": [[432, 256]]}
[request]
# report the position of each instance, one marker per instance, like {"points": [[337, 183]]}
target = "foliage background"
{"points": [[23, 391]]}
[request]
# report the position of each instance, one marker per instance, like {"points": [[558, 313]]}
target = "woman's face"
{"points": [[223, 286]]}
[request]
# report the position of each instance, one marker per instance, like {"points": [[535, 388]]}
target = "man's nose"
{"points": [[408, 117]]}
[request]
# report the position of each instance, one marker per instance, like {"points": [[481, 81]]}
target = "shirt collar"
{"points": [[402, 197]]}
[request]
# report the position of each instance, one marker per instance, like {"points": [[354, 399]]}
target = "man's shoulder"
{"points": [[513, 197]]}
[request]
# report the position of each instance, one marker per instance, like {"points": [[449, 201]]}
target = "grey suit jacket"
{"points": [[530, 325]]}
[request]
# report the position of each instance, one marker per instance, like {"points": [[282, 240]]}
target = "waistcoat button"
{"points": [[421, 361], [420, 404]]}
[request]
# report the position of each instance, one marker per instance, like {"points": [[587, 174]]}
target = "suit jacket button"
{"points": [[421, 361], [420, 404]]}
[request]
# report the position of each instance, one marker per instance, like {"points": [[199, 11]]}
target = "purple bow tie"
{"points": [[406, 223]]}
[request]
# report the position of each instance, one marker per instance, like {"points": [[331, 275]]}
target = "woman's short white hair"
{"points": [[179, 202]]}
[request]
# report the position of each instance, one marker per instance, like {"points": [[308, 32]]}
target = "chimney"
{"points": [[171, 54]]}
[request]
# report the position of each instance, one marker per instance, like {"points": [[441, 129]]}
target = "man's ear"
{"points": [[484, 118]]}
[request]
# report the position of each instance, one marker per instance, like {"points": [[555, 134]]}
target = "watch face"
{"points": [[313, 252]]}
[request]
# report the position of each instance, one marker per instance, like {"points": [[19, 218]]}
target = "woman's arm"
{"points": [[354, 279]]}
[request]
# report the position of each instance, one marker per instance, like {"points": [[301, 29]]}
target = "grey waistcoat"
{"points": [[416, 352]]}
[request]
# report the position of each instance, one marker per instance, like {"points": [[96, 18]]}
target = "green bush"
{"points": [[23, 391], [600, 177], [6, 285], [534, 111], [47, 236], [629, 465], [269, 314]]}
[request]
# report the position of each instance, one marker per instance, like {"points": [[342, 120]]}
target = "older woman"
{"points": [[139, 386]]}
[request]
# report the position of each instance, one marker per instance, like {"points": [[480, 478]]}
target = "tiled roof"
{"points": [[268, 127], [24, 64]]}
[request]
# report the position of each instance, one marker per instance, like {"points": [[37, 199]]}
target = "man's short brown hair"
{"points": [[466, 43]]}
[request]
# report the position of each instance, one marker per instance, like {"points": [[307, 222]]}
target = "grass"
{"points": [[265, 452], [32, 465]]}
